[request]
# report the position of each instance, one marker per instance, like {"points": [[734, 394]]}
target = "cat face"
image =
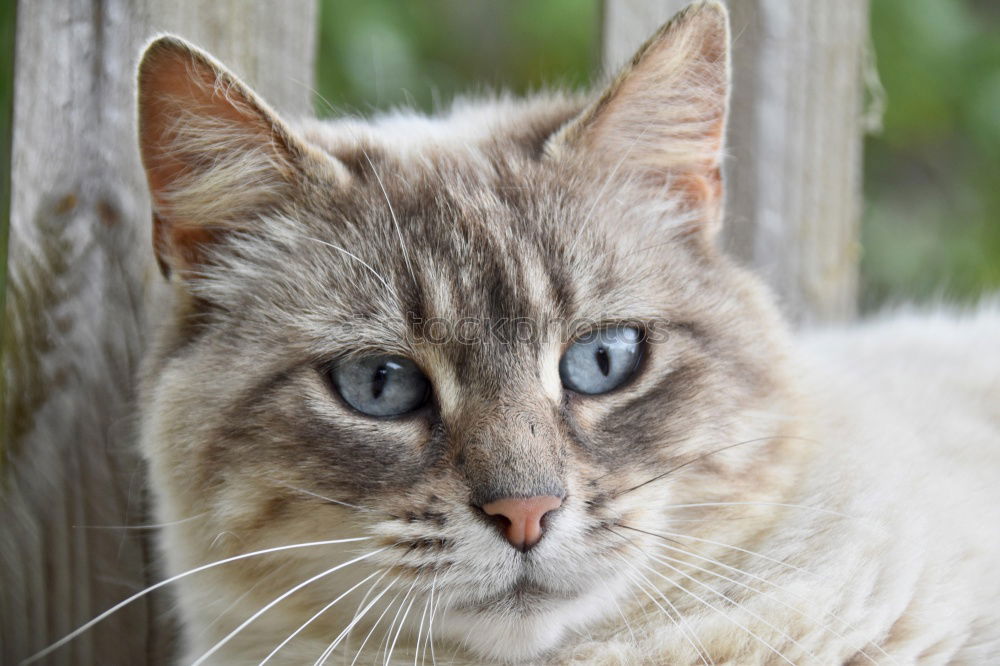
{"points": [[384, 331]]}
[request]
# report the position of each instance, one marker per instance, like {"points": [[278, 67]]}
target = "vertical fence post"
{"points": [[793, 169], [79, 291]]}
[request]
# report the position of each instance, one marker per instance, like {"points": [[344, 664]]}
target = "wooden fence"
{"points": [[73, 507]]}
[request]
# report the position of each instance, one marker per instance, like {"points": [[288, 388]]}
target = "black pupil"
{"points": [[603, 360], [378, 381]]}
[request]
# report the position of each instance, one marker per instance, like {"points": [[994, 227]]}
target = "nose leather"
{"points": [[524, 517]]}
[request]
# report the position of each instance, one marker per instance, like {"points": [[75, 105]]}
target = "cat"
{"points": [[481, 387]]}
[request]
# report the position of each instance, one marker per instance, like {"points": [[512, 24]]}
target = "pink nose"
{"points": [[521, 518]]}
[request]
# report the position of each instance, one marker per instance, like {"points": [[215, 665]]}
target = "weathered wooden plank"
{"points": [[793, 169], [81, 277]]}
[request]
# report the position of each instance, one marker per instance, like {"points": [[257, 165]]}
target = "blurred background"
{"points": [[931, 224]]}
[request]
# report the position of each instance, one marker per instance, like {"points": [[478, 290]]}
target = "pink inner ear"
{"points": [[174, 81], [182, 243], [213, 152], [663, 119], [703, 191]]}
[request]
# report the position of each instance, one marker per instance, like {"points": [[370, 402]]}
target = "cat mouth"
{"points": [[524, 595]]}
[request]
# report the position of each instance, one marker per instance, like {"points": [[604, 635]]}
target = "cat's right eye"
{"points": [[380, 385]]}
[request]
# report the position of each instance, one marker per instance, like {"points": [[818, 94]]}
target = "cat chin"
{"points": [[514, 638]]}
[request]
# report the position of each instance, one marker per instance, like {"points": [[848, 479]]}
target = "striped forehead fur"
{"points": [[351, 236]]}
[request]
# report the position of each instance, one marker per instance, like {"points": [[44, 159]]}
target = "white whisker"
{"points": [[392, 213], [763, 592], [320, 612], [618, 607], [384, 643], [688, 634], [200, 660], [707, 454], [384, 647], [737, 605], [453, 653], [781, 504], [604, 186], [399, 629], [713, 607], [420, 628], [204, 630], [430, 627], [728, 617], [323, 497], [368, 592], [430, 622], [357, 618], [358, 259], [148, 526], [664, 559], [378, 620], [138, 595], [676, 535]]}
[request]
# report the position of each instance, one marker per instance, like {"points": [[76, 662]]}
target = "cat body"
{"points": [[737, 497], [894, 558]]}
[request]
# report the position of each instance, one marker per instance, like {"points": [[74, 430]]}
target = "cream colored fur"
{"points": [[894, 536], [823, 498], [906, 432]]}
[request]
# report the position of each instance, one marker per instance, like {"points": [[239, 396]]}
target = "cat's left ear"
{"points": [[663, 118]]}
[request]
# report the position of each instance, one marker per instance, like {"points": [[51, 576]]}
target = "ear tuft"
{"points": [[663, 118], [215, 154]]}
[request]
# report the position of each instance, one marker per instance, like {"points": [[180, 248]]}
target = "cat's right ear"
{"points": [[216, 156], [662, 120]]}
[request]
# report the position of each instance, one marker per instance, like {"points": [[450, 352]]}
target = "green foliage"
{"points": [[932, 223], [385, 53]]}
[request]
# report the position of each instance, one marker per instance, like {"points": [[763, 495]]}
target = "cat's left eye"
{"points": [[601, 360], [380, 385]]}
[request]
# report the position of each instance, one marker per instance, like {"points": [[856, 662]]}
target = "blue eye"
{"points": [[601, 360], [380, 385]]}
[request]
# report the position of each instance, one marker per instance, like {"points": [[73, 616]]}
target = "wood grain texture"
{"points": [[81, 282], [793, 169]]}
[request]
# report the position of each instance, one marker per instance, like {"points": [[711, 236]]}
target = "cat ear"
{"points": [[215, 154], [663, 118]]}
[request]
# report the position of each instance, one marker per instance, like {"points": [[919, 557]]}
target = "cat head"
{"points": [[491, 350]]}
